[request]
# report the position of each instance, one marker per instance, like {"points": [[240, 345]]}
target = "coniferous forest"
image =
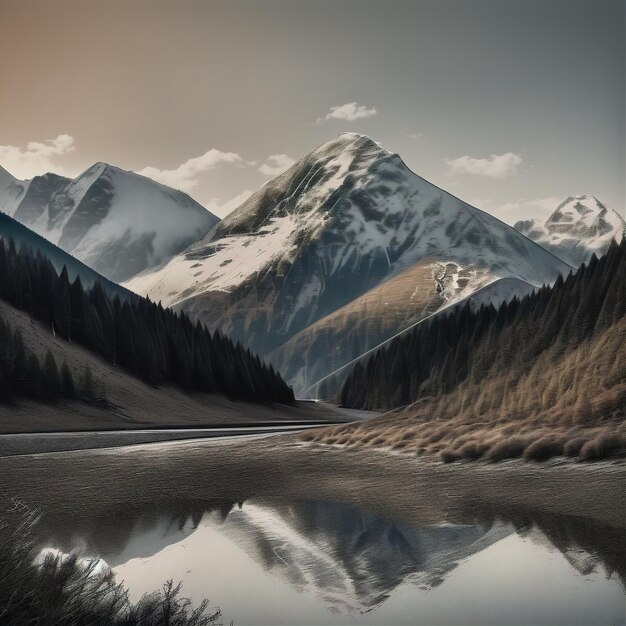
{"points": [[435, 357], [156, 344]]}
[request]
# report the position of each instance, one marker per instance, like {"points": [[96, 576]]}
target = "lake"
{"points": [[271, 552]]}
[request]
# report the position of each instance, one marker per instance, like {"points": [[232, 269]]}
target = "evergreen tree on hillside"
{"points": [[50, 379], [151, 342], [435, 357]]}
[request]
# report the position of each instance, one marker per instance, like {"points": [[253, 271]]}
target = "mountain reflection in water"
{"points": [[351, 560]]}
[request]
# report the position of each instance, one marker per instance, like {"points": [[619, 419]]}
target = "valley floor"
{"points": [[162, 408]]}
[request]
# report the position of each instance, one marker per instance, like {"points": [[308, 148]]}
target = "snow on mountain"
{"points": [[580, 227], [345, 218], [117, 222]]}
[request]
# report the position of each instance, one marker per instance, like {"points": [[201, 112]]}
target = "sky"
{"points": [[511, 105]]}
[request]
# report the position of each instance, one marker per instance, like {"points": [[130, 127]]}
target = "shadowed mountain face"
{"points": [[341, 222], [580, 226], [117, 222]]}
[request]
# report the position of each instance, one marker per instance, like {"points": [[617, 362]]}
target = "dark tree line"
{"points": [[154, 343], [466, 345], [24, 375]]}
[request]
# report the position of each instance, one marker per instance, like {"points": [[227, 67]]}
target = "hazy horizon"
{"points": [[510, 106]]}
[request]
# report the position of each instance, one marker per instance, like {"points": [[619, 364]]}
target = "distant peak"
{"points": [[581, 199]]}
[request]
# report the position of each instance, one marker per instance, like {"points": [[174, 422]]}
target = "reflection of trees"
{"points": [[119, 531], [349, 555], [586, 543]]}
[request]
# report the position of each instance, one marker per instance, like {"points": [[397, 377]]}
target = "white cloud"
{"points": [[349, 112], [223, 209], [416, 135], [496, 166], [276, 164], [185, 176], [525, 209], [38, 158]]}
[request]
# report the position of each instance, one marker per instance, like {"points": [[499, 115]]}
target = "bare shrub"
{"points": [[438, 435], [399, 445], [544, 448], [602, 447], [472, 450], [449, 456], [573, 446], [65, 590], [511, 448]]}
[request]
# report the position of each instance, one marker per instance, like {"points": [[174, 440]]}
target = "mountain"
{"points": [[339, 223], [117, 222], [580, 226]]}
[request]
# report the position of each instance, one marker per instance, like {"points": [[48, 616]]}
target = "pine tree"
{"points": [[50, 380], [68, 388]]}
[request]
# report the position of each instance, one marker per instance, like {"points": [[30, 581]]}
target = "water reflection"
{"points": [[353, 559], [349, 559]]}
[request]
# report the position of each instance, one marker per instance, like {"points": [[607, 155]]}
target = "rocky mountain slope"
{"points": [[579, 227], [117, 222], [340, 222]]}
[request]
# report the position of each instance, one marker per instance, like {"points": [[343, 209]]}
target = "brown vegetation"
{"points": [[571, 404]]}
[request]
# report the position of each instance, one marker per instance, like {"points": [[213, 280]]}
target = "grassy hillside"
{"points": [[540, 377], [130, 402]]}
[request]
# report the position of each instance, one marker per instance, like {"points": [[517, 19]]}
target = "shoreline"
{"points": [[419, 491]]}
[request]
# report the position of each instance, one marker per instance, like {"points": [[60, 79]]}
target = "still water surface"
{"points": [[311, 562]]}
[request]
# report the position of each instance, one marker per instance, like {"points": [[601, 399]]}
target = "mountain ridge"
{"points": [[116, 221], [344, 219]]}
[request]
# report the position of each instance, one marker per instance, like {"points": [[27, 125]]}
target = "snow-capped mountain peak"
{"points": [[346, 218], [116, 221], [579, 227]]}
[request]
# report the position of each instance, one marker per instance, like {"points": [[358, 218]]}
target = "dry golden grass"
{"points": [[570, 405]]}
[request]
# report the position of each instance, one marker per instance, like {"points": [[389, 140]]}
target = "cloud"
{"points": [[525, 209], [415, 135], [349, 112], [185, 176], [496, 166], [276, 164], [223, 209], [38, 158]]}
